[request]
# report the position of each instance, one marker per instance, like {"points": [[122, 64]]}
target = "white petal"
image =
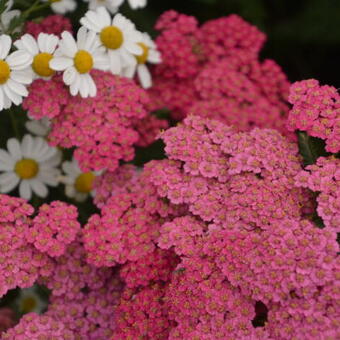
{"points": [[14, 148], [105, 17], [6, 161], [17, 88], [115, 63], [23, 77], [27, 146], [60, 63], [144, 76], [74, 87], [13, 96], [68, 44], [69, 75], [19, 60], [5, 45], [39, 188], [25, 190], [8, 182], [29, 43]]}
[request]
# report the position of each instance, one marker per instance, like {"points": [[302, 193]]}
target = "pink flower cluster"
{"points": [[324, 178], [38, 327], [20, 263], [141, 314], [54, 228], [83, 297], [316, 110], [213, 71], [102, 128], [52, 24], [129, 223]]}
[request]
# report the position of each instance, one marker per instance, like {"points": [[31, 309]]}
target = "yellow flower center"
{"points": [[5, 72], [41, 65], [84, 182], [28, 304], [26, 168], [83, 61], [141, 59], [111, 37]]}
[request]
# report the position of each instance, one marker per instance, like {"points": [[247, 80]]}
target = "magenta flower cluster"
{"points": [[214, 71]]}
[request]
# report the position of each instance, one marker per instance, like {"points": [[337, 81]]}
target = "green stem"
{"points": [[35, 7], [14, 124]]}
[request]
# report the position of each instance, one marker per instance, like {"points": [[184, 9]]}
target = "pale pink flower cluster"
{"points": [[37, 327], [324, 179], [316, 110], [102, 128]]}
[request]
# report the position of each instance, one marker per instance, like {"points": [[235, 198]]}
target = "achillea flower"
{"points": [[141, 313], [36, 327], [101, 128], [52, 24], [54, 228], [316, 110], [324, 178], [21, 264]]}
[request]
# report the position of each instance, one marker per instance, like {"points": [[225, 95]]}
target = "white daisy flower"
{"points": [[62, 6], [40, 127], [41, 50], [14, 74], [78, 184], [111, 5], [29, 301], [118, 35], [150, 55], [30, 164], [77, 59], [7, 16], [134, 4]]}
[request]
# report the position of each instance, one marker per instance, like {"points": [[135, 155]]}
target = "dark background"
{"points": [[303, 36]]}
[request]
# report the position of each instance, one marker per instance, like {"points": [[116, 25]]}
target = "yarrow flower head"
{"points": [[324, 178], [31, 164], [76, 59], [118, 36], [41, 50], [35, 327], [21, 264], [52, 24], [102, 128], [14, 73], [54, 228], [316, 110]]}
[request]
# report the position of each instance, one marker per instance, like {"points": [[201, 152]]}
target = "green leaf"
{"points": [[310, 148]]}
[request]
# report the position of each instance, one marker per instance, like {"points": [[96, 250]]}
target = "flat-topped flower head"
{"points": [[30, 164], [14, 73], [150, 55], [111, 5], [118, 35], [78, 184], [62, 6], [77, 59], [41, 50]]}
